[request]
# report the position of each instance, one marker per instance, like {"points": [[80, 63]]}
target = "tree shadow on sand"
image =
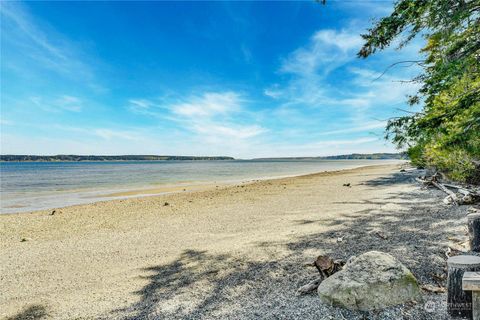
{"points": [[203, 285], [33, 312]]}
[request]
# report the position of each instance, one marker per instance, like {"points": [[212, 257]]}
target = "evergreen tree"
{"points": [[446, 133]]}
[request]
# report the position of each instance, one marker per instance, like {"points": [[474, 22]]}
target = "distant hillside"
{"points": [[369, 156], [9, 157], [353, 156]]}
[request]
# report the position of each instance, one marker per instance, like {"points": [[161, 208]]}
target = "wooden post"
{"points": [[459, 302], [474, 231], [471, 282]]}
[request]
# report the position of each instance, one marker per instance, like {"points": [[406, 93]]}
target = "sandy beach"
{"points": [[226, 252]]}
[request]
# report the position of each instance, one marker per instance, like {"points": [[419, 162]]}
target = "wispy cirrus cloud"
{"points": [[109, 134], [58, 104], [310, 65], [208, 105], [104, 133], [326, 50], [25, 38], [212, 116], [345, 94], [273, 92], [367, 126]]}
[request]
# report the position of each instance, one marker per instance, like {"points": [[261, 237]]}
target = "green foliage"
{"points": [[446, 134], [415, 153]]}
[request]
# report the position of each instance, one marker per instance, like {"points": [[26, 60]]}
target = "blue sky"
{"points": [[243, 79]]}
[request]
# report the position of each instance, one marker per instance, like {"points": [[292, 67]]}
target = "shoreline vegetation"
{"points": [[444, 133], [224, 252], [85, 158]]}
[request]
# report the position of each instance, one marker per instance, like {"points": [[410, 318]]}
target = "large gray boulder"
{"points": [[371, 281]]}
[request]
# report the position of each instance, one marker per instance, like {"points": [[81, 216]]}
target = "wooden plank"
{"points": [[476, 304], [459, 301], [471, 281]]}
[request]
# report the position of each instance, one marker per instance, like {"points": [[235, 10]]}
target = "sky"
{"points": [[241, 79]]}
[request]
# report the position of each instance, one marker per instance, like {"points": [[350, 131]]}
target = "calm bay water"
{"points": [[27, 186]]}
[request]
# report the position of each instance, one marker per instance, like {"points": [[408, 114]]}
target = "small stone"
{"points": [[25, 239], [166, 204], [380, 234]]}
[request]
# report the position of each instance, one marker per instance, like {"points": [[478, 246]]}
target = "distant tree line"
{"points": [[445, 134], [355, 156], [352, 156], [104, 158], [369, 156]]}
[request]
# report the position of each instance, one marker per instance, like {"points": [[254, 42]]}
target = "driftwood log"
{"points": [[326, 266], [474, 231], [459, 302], [463, 195], [450, 193], [310, 287]]}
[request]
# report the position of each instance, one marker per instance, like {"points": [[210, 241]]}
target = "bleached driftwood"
{"points": [[310, 287], [460, 189], [450, 193], [463, 195]]}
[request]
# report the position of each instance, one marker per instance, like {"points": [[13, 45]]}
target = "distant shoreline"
{"points": [[92, 158], [120, 158]]}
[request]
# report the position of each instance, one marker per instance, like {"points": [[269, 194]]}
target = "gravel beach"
{"points": [[228, 252]]}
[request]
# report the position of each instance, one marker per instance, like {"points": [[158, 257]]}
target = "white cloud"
{"points": [[140, 103], [208, 105], [273, 93], [310, 65], [99, 132], [320, 90], [326, 50], [232, 131], [345, 40], [214, 117], [69, 103], [60, 103], [109, 134], [142, 106], [322, 147], [14, 12], [30, 46], [362, 128]]}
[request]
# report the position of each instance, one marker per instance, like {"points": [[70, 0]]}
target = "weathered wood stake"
{"points": [[471, 282], [459, 302], [474, 231]]}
